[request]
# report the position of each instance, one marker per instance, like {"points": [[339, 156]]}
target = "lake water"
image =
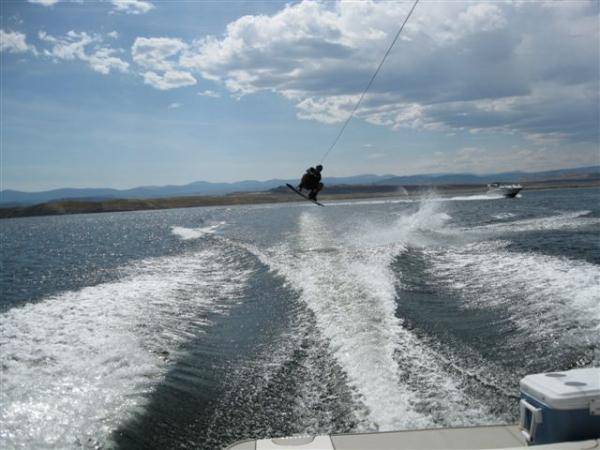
{"points": [[194, 328]]}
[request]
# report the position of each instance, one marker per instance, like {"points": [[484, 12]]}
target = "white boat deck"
{"points": [[470, 438]]}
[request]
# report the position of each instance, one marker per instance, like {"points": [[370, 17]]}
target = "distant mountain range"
{"points": [[12, 197]]}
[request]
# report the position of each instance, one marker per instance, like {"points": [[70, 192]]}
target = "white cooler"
{"points": [[560, 406]]}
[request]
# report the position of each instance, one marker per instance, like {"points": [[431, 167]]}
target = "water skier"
{"points": [[311, 181]]}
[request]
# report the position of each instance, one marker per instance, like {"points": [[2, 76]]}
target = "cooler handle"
{"points": [[536, 419]]}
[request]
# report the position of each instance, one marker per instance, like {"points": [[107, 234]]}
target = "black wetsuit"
{"points": [[311, 181]]}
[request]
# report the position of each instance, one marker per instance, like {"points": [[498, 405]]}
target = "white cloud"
{"points": [[132, 6], [103, 61], [324, 109], [159, 58], [69, 47], [174, 105], [209, 93], [157, 53], [514, 67], [44, 2], [113, 34], [85, 47], [169, 80], [484, 160], [502, 67], [13, 42], [479, 17], [125, 6]]}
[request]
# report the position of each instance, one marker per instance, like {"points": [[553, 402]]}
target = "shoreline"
{"points": [[278, 195]]}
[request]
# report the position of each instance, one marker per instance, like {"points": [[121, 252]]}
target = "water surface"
{"points": [[195, 328]]}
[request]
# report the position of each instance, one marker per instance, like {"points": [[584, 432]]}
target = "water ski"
{"points": [[302, 195]]}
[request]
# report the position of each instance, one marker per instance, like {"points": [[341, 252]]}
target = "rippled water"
{"points": [[196, 328]]}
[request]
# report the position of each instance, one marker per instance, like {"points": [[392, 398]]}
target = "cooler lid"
{"points": [[573, 389]]}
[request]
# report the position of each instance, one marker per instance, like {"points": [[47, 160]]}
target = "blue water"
{"points": [[198, 327]]}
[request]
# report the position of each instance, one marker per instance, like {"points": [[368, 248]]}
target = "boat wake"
{"points": [[83, 360], [187, 234], [343, 322], [348, 282], [542, 292], [428, 198], [565, 220]]}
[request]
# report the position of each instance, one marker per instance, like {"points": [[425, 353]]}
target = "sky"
{"points": [[125, 93]]}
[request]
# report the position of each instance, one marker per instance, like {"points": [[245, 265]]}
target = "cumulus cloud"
{"points": [[103, 60], [169, 80], [174, 105], [124, 6], [44, 2], [159, 58], [85, 47], [157, 53], [523, 67], [132, 6], [504, 67], [209, 93], [13, 42]]}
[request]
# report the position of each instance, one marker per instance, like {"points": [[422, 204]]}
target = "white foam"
{"points": [[543, 293], [463, 198], [352, 292], [559, 221], [376, 201], [345, 278], [77, 364], [504, 215], [431, 197], [195, 233], [353, 301]]}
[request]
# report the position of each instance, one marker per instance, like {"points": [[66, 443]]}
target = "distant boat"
{"points": [[505, 190]]}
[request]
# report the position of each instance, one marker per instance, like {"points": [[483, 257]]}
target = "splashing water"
{"points": [[77, 364], [187, 234]]}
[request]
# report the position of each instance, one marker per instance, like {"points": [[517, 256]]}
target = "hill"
{"points": [[204, 188]]}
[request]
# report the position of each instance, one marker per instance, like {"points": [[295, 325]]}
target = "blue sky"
{"points": [[123, 93]]}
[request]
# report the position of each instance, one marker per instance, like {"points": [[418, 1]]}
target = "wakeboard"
{"points": [[302, 195]]}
